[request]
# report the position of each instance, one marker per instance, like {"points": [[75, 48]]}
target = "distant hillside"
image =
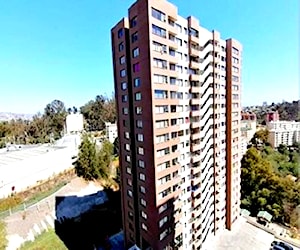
{"points": [[7, 116], [288, 111]]}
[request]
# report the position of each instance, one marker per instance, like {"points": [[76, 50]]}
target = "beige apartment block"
{"points": [[178, 93], [283, 132]]}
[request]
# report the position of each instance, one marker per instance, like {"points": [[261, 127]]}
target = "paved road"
{"points": [[244, 236], [23, 168]]}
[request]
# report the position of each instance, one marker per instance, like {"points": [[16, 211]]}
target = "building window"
{"points": [[122, 72], [162, 124], [159, 47], [163, 234], [138, 110], [159, 63], [137, 82], [160, 79], [235, 51], [135, 52], [140, 150], [128, 170], [163, 221], [144, 215], [138, 96], [124, 85], [133, 22], [125, 111], [134, 37], [142, 177], [129, 182], [235, 78], [129, 192], [124, 98], [159, 31], [163, 152], [158, 15], [126, 135], [122, 59], [139, 124], [127, 147], [235, 69], [163, 208], [140, 137], [121, 46], [161, 109], [164, 193], [141, 164], [235, 87], [162, 138], [143, 189], [160, 94], [136, 67], [127, 158], [144, 227], [120, 33], [163, 166], [235, 60], [143, 202]]}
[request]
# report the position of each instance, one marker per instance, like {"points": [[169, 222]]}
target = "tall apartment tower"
{"points": [[177, 88]]}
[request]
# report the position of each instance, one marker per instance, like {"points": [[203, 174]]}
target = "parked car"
{"points": [[274, 243], [276, 247], [285, 246], [281, 245]]}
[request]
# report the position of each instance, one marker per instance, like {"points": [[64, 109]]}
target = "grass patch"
{"points": [[16, 202], [46, 240], [3, 240]]}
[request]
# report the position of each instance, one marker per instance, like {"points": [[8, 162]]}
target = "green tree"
{"points": [[86, 165], [93, 164], [104, 157], [97, 112], [54, 118]]}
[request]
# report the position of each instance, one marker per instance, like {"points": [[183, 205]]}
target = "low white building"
{"points": [[111, 131], [283, 132], [74, 123]]}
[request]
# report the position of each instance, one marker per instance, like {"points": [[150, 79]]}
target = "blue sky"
{"points": [[61, 49]]}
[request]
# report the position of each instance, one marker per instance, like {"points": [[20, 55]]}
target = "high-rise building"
{"points": [[177, 89]]}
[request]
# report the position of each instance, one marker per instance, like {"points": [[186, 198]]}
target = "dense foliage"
{"points": [[41, 129], [49, 126], [93, 164], [288, 111], [97, 112], [270, 181]]}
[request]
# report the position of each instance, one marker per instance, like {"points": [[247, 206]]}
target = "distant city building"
{"points": [[283, 132], [272, 116], [74, 123], [111, 131], [248, 125]]}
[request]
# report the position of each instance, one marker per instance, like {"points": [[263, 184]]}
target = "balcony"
{"points": [[194, 65], [195, 159], [194, 51], [195, 146], [194, 77], [196, 213], [195, 101], [195, 89], [194, 39], [195, 113], [195, 124]]}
